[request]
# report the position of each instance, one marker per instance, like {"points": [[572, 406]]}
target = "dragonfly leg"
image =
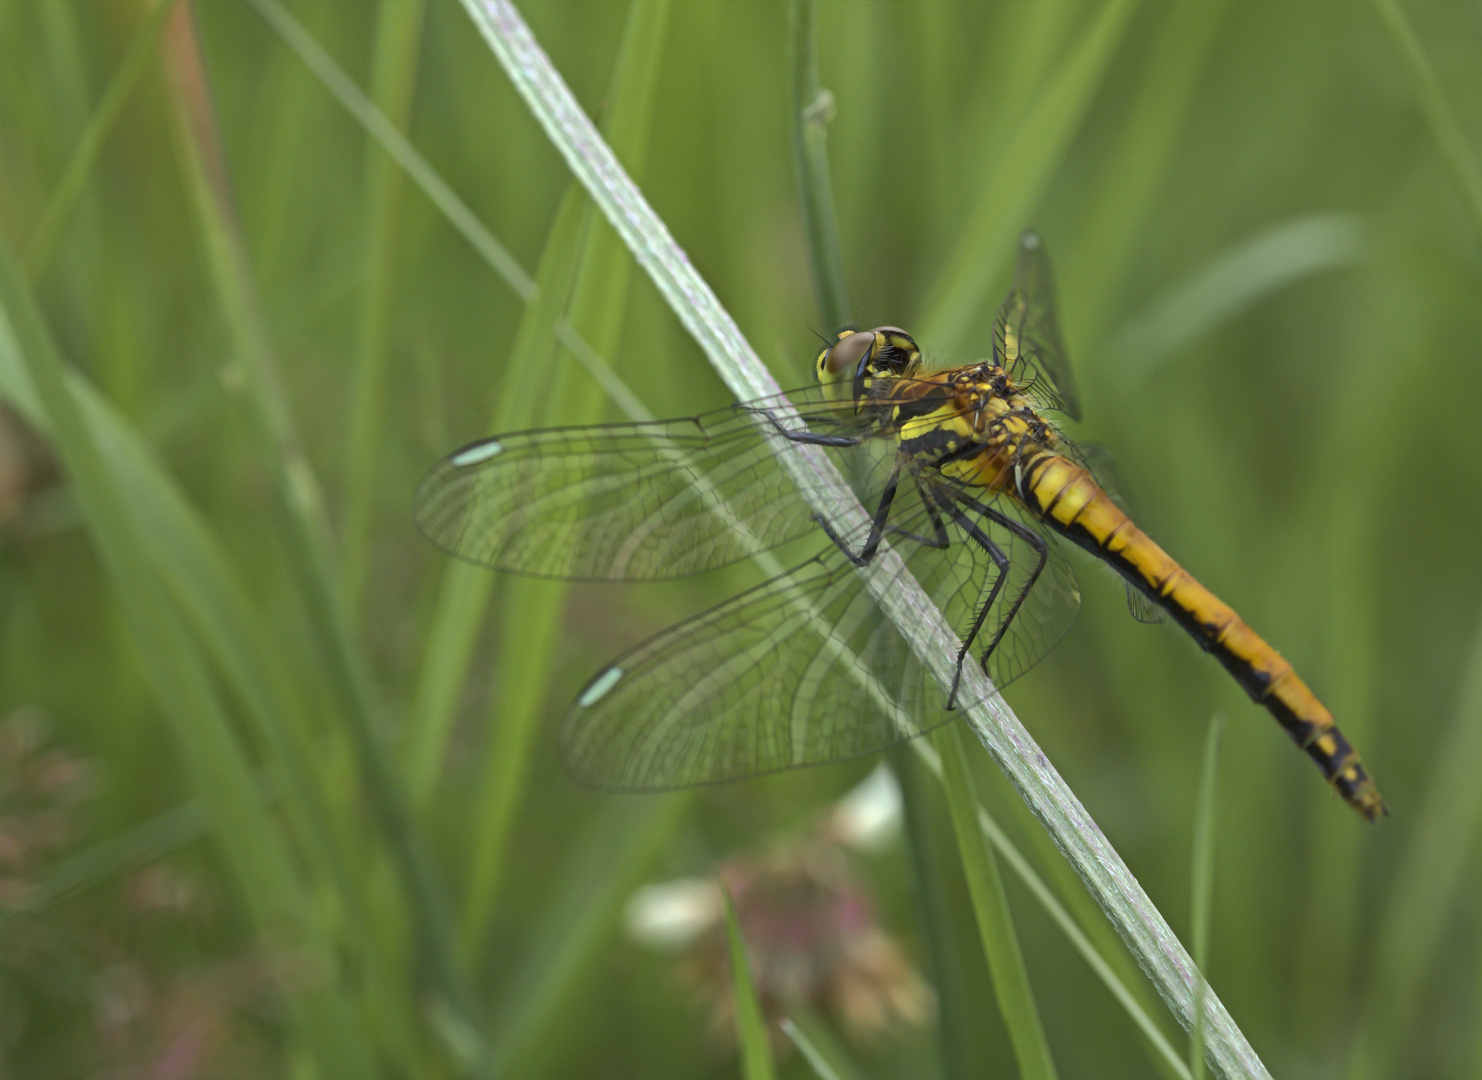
{"points": [[1000, 560], [809, 438], [877, 526], [1030, 537], [939, 539]]}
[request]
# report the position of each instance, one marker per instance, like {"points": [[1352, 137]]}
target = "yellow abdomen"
{"points": [[1065, 497]]}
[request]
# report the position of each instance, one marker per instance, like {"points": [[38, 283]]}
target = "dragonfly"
{"points": [[967, 479]]}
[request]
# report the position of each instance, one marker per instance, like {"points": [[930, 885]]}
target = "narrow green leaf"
{"points": [[1087, 929], [69, 187], [255, 663], [393, 79], [464, 591], [1447, 133], [1015, 181], [1202, 889], [822, 1067], [751, 1028], [395, 144], [1244, 273], [1122, 202], [614, 855], [995, 923], [1428, 885], [812, 109], [302, 514], [599, 300], [213, 758], [109, 858], [959, 975]]}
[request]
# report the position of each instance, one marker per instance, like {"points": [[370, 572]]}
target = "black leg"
{"points": [[877, 526], [939, 539], [809, 438], [984, 541], [1030, 537]]}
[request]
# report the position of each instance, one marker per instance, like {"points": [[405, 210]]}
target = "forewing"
{"points": [[1028, 335], [627, 501]]}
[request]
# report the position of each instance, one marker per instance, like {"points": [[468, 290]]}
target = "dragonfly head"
{"points": [[848, 367]]}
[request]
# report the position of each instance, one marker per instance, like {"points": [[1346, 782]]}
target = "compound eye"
{"points": [[843, 359], [899, 349]]}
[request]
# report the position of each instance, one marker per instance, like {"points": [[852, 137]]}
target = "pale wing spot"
{"points": [[476, 453], [597, 689]]}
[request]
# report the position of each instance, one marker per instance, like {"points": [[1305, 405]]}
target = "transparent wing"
{"points": [[1028, 335], [801, 670], [638, 501]]}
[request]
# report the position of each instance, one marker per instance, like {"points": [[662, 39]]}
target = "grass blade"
{"points": [[945, 917], [464, 591], [812, 109], [818, 1043], [1127, 905], [1015, 181], [598, 306], [1164, 1056], [1127, 187], [1439, 118], [1427, 884], [397, 44], [811, 1054], [751, 1028], [211, 754], [69, 187], [302, 509], [608, 863], [104, 861], [991, 907], [1202, 879], [1256, 267]]}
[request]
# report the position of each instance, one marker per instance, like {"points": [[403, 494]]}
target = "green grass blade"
{"points": [[213, 759], [1202, 878], [1262, 264], [106, 860], [69, 187], [396, 145], [751, 1028], [1011, 746], [1428, 884], [1015, 182], [818, 1044], [598, 308], [615, 855], [816, 1061], [995, 922], [304, 522], [255, 663], [1078, 929], [464, 591], [397, 46], [812, 109], [1460, 162], [1124, 198], [945, 917]]}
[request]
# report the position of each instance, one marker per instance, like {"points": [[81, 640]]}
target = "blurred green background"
{"points": [[280, 787]]}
